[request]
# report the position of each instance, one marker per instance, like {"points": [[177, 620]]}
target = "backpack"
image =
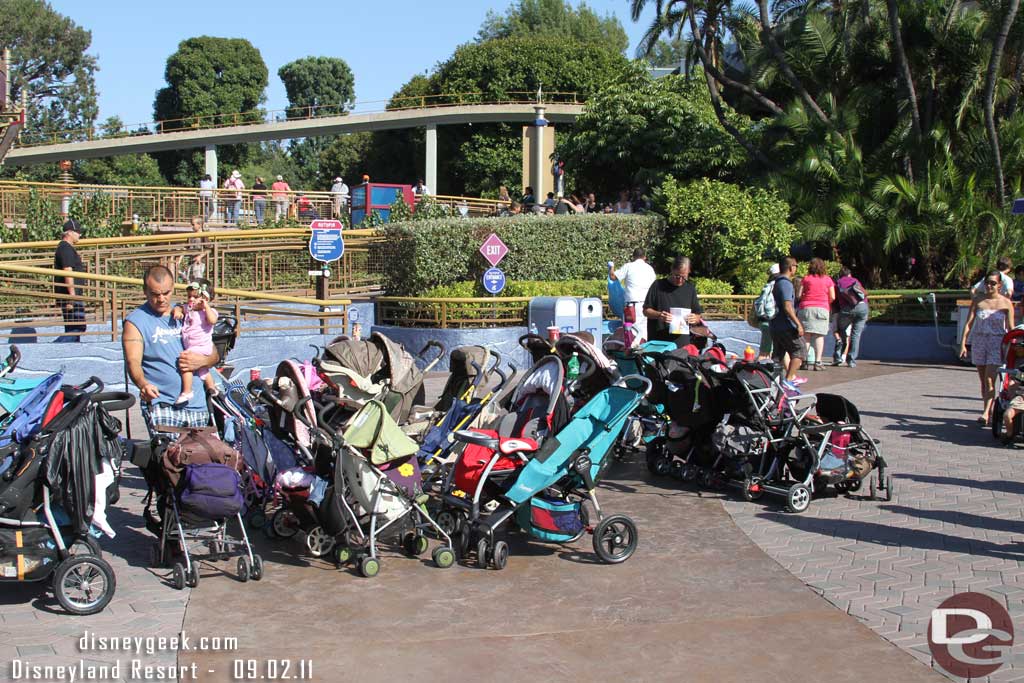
{"points": [[764, 304], [850, 296]]}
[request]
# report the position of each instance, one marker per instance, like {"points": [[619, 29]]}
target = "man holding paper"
{"points": [[672, 305]]}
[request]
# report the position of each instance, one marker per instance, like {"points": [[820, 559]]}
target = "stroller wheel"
{"points": [[463, 539], [342, 555], [444, 557], [154, 555], [414, 544], [84, 584], [87, 545], [448, 521], [689, 473], [753, 488], [890, 492], [656, 463], [178, 575], [676, 468], [854, 485], [799, 498], [369, 567], [500, 555], [257, 520], [285, 523], [482, 548], [244, 568], [256, 573], [872, 491], [318, 542], [615, 539], [192, 576]]}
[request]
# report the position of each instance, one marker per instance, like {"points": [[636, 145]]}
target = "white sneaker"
{"points": [[183, 398]]}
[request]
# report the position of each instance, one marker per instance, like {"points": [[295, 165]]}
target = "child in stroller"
{"points": [[1008, 404]]}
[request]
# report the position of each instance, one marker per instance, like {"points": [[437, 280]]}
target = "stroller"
{"points": [[358, 371], [196, 485], [596, 371], [543, 486], [1007, 379], [61, 462]]}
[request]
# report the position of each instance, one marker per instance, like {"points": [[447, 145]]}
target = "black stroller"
{"points": [[55, 484]]}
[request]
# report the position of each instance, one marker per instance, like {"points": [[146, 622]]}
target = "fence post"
{"points": [[444, 315], [113, 314]]}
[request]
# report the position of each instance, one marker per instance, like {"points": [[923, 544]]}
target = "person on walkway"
{"points": [[503, 195], [528, 199], [636, 277], [66, 258], [305, 207], [154, 356], [591, 205], [1004, 265], [259, 199], [988, 319], [817, 292], [339, 197], [787, 330], [675, 291], [192, 264], [852, 300], [764, 349], [233, 198], [1018, 284], [279, 192], [206, 189], [624, 205]]}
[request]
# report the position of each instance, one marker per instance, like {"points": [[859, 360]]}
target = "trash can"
{"points": [[592, 318], [558, 311]]}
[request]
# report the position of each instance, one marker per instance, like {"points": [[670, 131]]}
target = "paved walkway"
{"points": [[956, 523]]}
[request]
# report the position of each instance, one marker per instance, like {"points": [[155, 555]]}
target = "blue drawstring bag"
{"points": [[616, 297]]}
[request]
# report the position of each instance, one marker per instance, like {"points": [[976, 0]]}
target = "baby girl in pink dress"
{"points": [[198, 318]]}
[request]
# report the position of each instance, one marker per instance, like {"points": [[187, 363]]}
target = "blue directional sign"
{"points": [[1018, 207], [494, 280], [326, 243]]}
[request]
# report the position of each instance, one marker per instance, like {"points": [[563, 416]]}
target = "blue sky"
{"points": [[384, 43]]}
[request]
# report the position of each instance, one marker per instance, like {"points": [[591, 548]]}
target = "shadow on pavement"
{"points": [[1000, 485]]}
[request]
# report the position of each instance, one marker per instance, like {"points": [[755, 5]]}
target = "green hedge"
{"points": [[474, 288], [425, 254]]}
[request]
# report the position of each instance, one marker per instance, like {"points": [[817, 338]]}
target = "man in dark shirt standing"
{"points": [[66, 258], [674, 291], [787, 332]]}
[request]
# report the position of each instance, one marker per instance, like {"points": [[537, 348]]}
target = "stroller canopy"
{"points": [[373, 431], [362, 357]]}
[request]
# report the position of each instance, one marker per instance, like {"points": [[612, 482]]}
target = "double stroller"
{"points": [[195, 485], [538, 466], [60, 462]]}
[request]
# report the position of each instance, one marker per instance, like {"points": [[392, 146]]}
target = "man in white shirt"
{"points": [[1004, 265], [636, 277], [339, 193]]}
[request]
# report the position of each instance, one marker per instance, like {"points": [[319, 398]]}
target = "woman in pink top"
{"points": [[817, 292]]}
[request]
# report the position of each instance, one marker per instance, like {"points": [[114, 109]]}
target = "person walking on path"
{"points": [[155, 356], [989, 318], [817, 292], [765, 302], [233, 208], [675, 291], [636, 277], [339, 195], [259, 199], [852, 299], [279, 192], [1004, 265], [787, 330], [66, 258], [206, 188], [192, 264]]}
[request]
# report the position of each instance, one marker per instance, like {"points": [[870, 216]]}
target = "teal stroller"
{"points": [[555, 477]]}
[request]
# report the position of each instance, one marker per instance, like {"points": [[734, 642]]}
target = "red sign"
{"points": [[494, 249], [322, 224]]}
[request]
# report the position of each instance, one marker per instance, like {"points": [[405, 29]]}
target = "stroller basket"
{"points": [[552, 519]]}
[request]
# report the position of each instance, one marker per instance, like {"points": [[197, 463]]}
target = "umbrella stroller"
{"points": [[358, 371], [62, 473]]}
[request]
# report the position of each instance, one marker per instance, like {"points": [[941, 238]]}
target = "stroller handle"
{"points": [[113, 400], [91, 382], [530, 336], [502, 377], [648, 385], [12, 360], [432, 343]]}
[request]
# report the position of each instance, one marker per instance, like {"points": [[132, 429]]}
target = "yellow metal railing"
{"points": [[295, 113]]}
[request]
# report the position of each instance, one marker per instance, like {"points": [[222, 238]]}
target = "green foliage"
{"points": [[707, 285], [346, 156], [723, 226], [751, 276], [555, 18], [490, 159], [429, 253], [208, 76], [42, 220], [49, 63], [475, 288], [639, 130], [668, 53], [313, 82]]}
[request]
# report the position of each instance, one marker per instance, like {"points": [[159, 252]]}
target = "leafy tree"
{"points": [[50, 66], [127, 169], [555, 18], [316, 86], [638, 130], [346, 156], [722, 226], [669, 53], [209, 77]]}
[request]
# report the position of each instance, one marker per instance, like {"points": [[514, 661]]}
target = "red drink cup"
{"points": [[553, 333], [254, 374]]}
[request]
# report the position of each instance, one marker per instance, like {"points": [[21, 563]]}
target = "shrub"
{"points": [[426, 254], [722, 226], [475, 288], [707, 285]]}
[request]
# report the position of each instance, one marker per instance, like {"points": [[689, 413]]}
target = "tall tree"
{"points": [[50, 65], [994, 64], [209, 80], [316, 86], [554, 18]]}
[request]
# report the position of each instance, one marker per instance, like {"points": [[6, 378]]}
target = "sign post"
{"points": [[494, 250], [326, 244]]}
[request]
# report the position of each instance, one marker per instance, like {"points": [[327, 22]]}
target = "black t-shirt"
{"points": [[663, 296], [67, 257]]}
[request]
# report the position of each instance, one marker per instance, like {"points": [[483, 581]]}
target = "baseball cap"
{"points": [[338, 179], [280, 177], [72, 224]]}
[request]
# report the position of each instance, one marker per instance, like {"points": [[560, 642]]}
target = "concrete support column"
{"points": [[430, 173], [211, 170], [537, 154]]}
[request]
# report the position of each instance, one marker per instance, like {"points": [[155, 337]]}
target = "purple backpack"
{"points": [[212, 491]]}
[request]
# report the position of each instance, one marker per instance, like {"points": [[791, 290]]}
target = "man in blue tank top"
{"points": [[155, 356]]}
